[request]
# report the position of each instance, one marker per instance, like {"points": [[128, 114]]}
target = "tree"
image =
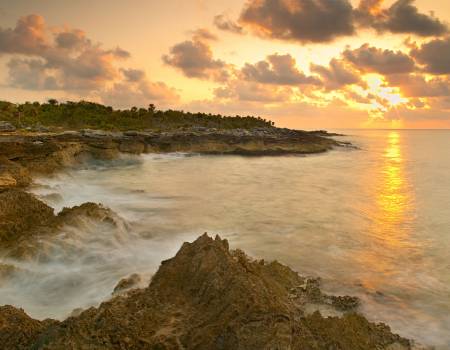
{"points": [[151, 108], [53, 102]]}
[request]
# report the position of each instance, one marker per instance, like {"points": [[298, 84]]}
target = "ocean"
{"points": [[372, 222]]}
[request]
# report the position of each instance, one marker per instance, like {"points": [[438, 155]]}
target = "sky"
{"points": [[311, 64]]}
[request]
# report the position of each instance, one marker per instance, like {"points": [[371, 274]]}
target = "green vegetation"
{"points": [[84, 115]]}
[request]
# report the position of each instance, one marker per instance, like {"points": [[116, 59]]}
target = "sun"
{"points": [[385, 96]]}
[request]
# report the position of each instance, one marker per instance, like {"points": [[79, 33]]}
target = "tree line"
{"points": [[85, 114]]}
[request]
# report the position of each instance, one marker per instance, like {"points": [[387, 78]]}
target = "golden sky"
{"points": [[302, 63]]}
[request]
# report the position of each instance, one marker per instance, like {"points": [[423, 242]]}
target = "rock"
{"points": [[208, 297], [18, 330], [24, 219], [130, 133], [21, 214], [345, 303], [127, 283], [132, 146], [97, 212], [7, 180], [13, 174], [6, 127]]}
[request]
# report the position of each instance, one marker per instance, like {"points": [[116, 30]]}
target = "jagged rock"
{"points": [[69, 216], [127, 283], [21, 214], [19, 331], [209, 297], [6, 127], [24, 218]]}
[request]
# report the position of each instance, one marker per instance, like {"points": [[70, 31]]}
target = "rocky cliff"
{"points": [[209, 297]]}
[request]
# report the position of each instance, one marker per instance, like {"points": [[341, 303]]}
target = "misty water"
{"points": [[372, 222]]}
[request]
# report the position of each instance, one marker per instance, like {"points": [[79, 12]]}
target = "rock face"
{"points": [[24, 154], [206, 297], [21, 214], [23, 218]]}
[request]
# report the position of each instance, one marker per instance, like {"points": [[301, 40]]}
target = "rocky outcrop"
{"points": [[21, 215], [127, 283], [6, 127], [24, 154], [18, 331], [24, 218], [208, 297]]}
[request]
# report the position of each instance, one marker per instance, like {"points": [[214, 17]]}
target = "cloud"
{"points": [[66, 59], [133, 75], [139, 93], [253, 92], [28, 37], [434, 56], [222, 22], [137, 90], [30, 74], [419, 86], [402, 17], [70, 60], [337, 75], [321, 21], [203, 34], [194, 58], [304, 21], [375, 60], [71, 39], [278, 70]]}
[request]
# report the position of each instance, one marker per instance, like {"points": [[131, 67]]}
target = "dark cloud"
{"points": [[277, 70], [71, 39], [203, 34], [337, 74], [375, 60], [402, 17], [70, 60], [28, 37], [65, 59], [300, 20], [434, 56], [133, 75], [222, 22], [319, 21], [195, 59]]}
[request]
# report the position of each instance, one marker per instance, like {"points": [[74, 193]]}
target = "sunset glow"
{"points": [[237, 58]]}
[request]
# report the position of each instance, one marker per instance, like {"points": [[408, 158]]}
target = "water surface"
{"points": [[373, 222]]}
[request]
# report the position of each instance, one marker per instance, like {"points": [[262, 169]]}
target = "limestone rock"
{"points": [[127, 283], [209, 297]]}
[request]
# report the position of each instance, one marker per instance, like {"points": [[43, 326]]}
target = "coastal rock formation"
{"points": [[127, 283], [23, 154], [207, 297], [21, 214], [24, 219]]}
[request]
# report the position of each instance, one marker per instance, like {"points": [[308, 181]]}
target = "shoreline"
{"points": [[27, 155]]}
